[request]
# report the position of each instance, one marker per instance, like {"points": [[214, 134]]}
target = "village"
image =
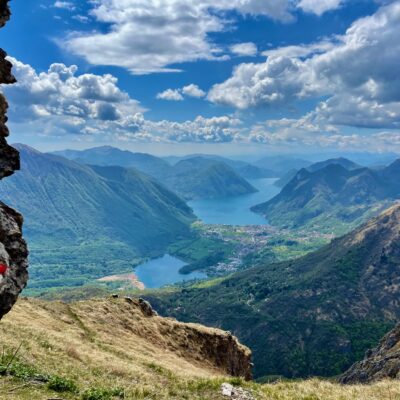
{"points": [[250, 240]]}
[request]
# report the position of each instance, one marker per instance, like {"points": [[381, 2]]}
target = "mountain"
{"points": [[344, 162], [199, 177], [312, 316], [86, 221], [382, 362], [112, 156], [280, 165], [252, 172], [191, 177], [286, 178], [332, 197]]}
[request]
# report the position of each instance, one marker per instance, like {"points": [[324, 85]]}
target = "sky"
{"points": [[227, 77]]}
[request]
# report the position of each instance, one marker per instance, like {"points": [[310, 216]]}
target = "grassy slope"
{"points": [[98, 349]]}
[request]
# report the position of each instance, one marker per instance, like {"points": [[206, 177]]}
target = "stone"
{"points": [[13, 249], [236, 393], [146, 308]]}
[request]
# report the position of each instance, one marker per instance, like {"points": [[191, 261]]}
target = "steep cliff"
{"points": [[13, 250], [379, 363]]}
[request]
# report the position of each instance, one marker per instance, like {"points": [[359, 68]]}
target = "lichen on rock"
{"points": [[13, 249]]}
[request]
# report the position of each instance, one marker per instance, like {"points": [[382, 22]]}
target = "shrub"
{"points": [[103, 394], [61, 384]]}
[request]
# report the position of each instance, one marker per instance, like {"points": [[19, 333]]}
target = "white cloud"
{"points": [[301, 51], [222, 129], [67, 5], [248, 49], [67, 102], [81, 18], [170, 95], [358, 69], [61, 102], [193, 90], [91, 107], [158, 35], [319, 7]]}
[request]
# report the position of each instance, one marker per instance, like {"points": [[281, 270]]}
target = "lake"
{"points": [[164, 271], [229, 210], [236, 210]]}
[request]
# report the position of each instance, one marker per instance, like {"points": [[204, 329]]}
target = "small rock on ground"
{"points": [[235, 393]]}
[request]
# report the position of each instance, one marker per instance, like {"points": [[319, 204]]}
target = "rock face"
{"points": [[379, 363], [13, 250]]}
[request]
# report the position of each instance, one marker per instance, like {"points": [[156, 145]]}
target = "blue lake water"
{"points": [[236, 210], [164, 271]]}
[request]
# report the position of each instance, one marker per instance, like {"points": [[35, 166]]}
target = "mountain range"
{"points": [[102, 216], [329, 196], [310, 316], [191, 177]]}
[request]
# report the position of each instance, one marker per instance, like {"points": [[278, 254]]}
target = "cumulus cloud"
{"points": [[67, 5], [191, 90], [170, 95], [358, 70], [248, 49], [157, 35], [62, 98], [60, 102], [222, 129], [319, 7]]}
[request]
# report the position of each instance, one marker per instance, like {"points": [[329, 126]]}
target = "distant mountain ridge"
{"points": [[310, 316], [344, 162], [192, 178], [331, 192]]}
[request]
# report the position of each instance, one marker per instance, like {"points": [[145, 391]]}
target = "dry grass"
{"points": [[108, 344]]}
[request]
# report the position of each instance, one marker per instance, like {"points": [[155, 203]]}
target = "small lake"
{"points": [[236, 210], [164, 271]]}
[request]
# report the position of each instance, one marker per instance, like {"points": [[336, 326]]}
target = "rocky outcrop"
{"points": [[379, 363], [218, 348], [13, 250]]}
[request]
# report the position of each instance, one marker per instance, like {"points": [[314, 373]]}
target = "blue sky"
{"points": [[173, 76]]}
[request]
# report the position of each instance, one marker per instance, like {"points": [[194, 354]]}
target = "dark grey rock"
{"points": [[13, 249]]}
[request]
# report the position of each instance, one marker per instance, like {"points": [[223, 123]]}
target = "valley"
{"points": [[202, 201]]}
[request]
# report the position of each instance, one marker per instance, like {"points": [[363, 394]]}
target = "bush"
{"points": [[61, 384], [103, 394]]}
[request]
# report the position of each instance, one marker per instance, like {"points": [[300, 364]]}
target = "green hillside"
{"points": [[332, 198], [311, 316], [200, 177], [84, 222]]}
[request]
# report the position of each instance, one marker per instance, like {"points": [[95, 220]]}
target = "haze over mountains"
{"points": [[314, 315], [190, 177]]}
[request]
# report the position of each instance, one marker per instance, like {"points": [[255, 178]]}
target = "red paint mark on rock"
{"points": [[3, 269]]}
